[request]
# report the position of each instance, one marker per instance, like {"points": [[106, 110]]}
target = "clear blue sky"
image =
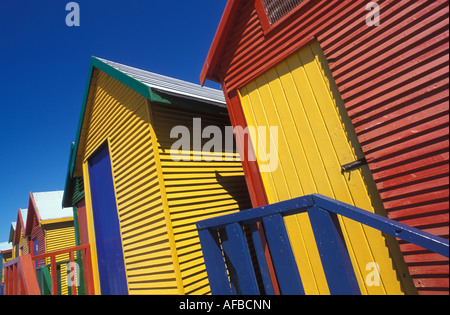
{"points": [[43, 72]]}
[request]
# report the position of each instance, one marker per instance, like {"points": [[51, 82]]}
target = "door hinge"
{"points": [[351, 166]]}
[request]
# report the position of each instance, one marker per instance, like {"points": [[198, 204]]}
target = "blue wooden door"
{"points": [[106, 223]]}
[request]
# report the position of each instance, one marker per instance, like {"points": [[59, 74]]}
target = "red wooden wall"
{"points": [[394, 81], [83, 223], [37, 232]]}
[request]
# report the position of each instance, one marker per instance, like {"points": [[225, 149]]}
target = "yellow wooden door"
{"points": [[315, 137]]}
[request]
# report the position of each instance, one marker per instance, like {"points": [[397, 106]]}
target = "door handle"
{"points": [[351, 166]]}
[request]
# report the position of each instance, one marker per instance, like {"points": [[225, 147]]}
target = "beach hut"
{"points": [[12, 232], [149, 169], [18, 237], [50, 228], [74, 197], [5, 256], [358, 92]]}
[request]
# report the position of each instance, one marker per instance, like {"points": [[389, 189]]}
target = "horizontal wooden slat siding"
{"points": [[400, 111], [23, 243], [60, 236], [196, 190], [77, 191], [394, 81], [121, 114], [38, 233], [315, 139]]}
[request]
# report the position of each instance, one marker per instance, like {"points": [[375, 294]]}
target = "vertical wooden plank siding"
{"points": [[196, 190], [119, 114], [315, 139], [394, 81]]}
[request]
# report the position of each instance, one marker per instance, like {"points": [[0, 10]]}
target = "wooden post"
{"points": [[215, 265], [88, 274], [282, 256], [238, 259], [335, 259], [72, 261], [54, 275]]}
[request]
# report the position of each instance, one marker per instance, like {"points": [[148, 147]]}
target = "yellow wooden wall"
{"points": [[5, 258], [316, 137], [118, 114], [59, 236], [158, 200], [23, 246], [196, 190]]}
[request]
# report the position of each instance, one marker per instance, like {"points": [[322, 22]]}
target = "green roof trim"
{"points": [[123, 78], [161, 97], [74, 186], [132, 83]]}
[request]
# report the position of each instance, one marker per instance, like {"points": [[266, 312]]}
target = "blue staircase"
{"points": [[227, 254]]}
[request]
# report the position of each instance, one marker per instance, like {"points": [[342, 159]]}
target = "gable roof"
{"points": [[5, 246], [46, 206], [24, 214], [170, 86], [12, 231], [218, 44], [156, 88], [49, 205], [20, 225]]}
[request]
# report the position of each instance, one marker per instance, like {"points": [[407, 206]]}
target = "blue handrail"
{"points": [[227, 254]]}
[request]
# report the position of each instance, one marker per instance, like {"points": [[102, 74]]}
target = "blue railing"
{"points": [[228, 258]]}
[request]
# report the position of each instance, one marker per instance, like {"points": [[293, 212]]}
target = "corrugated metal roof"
{"points": [[24, 213], [171, 86], [5, 246], [49, 205]]}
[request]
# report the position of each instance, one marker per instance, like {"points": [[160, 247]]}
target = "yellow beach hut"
{"points": [[144, 185]]}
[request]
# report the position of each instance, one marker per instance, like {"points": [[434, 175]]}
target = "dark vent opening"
{"points": [[277, 9]]}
